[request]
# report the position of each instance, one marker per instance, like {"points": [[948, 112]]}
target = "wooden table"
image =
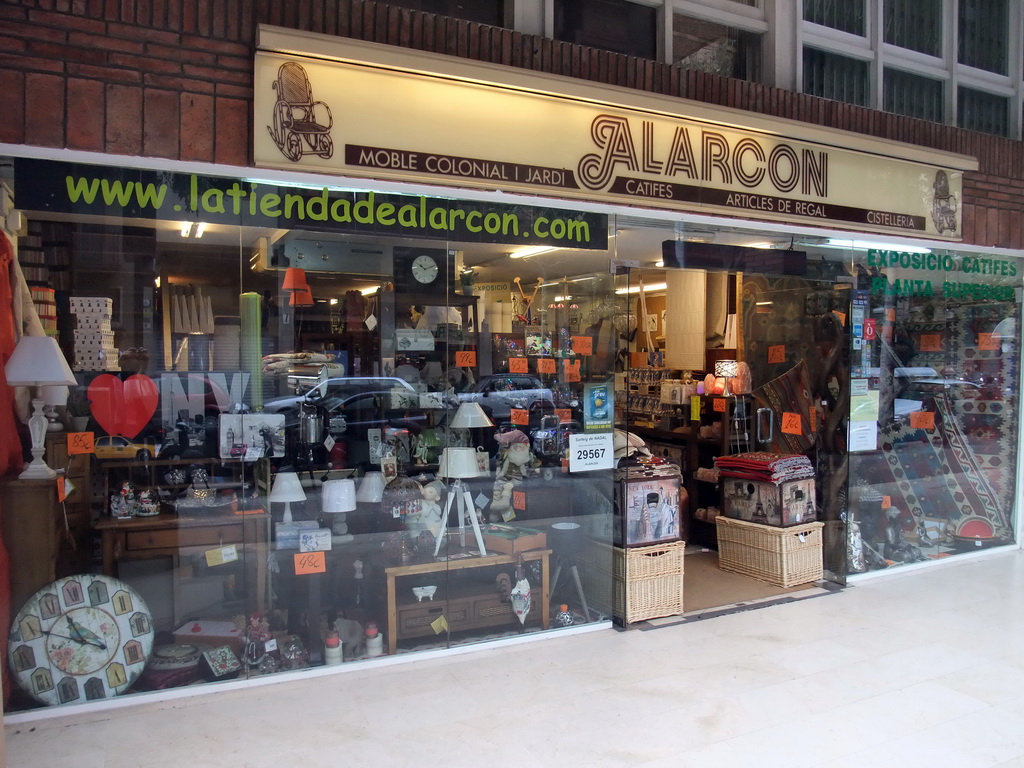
{"points": [[449, 566], [168, 534]]}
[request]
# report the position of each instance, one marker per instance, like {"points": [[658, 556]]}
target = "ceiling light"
{"points": [[193, 229], [369, 291], [646, 288], [659, 263], [865, 245], [533, 250]]}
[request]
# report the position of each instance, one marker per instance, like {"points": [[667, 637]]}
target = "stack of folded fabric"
{"points": [[765, 467]]}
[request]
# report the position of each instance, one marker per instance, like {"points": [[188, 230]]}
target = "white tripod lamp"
{"points": [[459, 464]]}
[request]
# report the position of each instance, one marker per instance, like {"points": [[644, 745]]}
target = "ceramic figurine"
{"points": [[564, 617], [148, 505]]}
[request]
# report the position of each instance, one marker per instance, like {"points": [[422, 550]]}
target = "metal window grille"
{"points": [[980, 111], [914, 24], [983, 34], [844, 15], [912, 95], [835, 77]]}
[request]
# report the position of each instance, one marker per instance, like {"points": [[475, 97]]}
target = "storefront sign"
{"points": [[65, 188], [372, 118]]}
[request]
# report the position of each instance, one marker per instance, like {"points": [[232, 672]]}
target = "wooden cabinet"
{"points": [[75, 554], [28, 514]]}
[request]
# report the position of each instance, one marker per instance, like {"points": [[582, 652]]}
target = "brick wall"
{"points": [[173, 79]]}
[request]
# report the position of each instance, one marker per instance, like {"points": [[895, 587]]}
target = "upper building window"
{"points": [[482, 11], [912, 95], [615, 25], [983, 27], [844, 15], [835, 77], [716, 48], [915, 25], [980, 111]]}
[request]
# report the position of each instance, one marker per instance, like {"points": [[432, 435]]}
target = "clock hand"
{"points": [[75, 639]]}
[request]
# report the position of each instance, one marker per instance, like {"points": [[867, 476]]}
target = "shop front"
{"points": [[441, 367]]}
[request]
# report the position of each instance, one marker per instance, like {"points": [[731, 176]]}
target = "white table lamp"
{"points": [[38, 362], [459, 464], [470, 416], [53, 396], [338, 497], [287, 488], [371, 488]]}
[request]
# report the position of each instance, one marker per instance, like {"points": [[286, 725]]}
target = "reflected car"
{"points": [[340, 388], [118, 447], [499, 393]]}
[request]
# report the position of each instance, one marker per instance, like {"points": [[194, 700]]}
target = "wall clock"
{"points": [[81, 638], [423, 270]]}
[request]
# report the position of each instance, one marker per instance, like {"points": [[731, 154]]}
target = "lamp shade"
{"points": [[726, 368], [287, 487], [54, 394], [303, 297], [371, 488], [38, 361], [470, 416], [458, 463], [294, 280], [338, 496]]}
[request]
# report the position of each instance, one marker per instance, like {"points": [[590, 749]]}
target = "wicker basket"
{"points": [[782, 556], [647, 582]]}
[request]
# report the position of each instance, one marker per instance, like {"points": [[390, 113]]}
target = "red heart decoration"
{"points": [[123, 407]]}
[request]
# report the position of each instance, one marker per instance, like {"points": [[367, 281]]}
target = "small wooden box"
{"points": [[511, 539]]}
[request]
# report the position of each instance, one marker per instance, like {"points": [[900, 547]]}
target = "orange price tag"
{"points": [[520, 416], [518, 365], [719, 404], [465, 359], [62, 488], [310, 562], [563, 414], [777, 353], [519, 500], [840, 315], [571, 369], [886, 502], [583, 345], [922, 420], [890, 315], [81, 442], [988, 342], [546, 365], [792, 424], [931, 342]]}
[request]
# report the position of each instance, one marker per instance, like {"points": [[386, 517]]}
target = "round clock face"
{"points": [[80, 638], [424, 269]]}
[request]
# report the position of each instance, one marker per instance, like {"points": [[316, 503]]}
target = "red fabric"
{"points": [[10, 443]]}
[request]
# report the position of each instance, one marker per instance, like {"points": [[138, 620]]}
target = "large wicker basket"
{"points": [[648, 581], [782, 556]]}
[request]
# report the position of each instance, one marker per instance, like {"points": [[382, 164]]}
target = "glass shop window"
{"points": [[914, 24], [983, 31], [913, 95], [980, 111]]}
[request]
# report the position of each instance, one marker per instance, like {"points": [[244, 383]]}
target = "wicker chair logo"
{"points": [[301, 126]]}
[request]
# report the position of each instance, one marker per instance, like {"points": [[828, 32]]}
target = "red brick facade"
{"points": [[173, 79]]}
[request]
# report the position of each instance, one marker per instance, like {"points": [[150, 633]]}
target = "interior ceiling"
{"points": [[635, 240]]}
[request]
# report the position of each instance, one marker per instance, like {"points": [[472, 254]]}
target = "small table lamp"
{"points": [[726, 369], [459, 464], [470, 416], [371, 488], [38, 362], [54, 396], [337, 497], [287, 488]]}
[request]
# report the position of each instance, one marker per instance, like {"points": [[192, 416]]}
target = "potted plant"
{"points": [[78, 409]]}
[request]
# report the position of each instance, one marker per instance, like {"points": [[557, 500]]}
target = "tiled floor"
{"points": [[919, 669]]}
